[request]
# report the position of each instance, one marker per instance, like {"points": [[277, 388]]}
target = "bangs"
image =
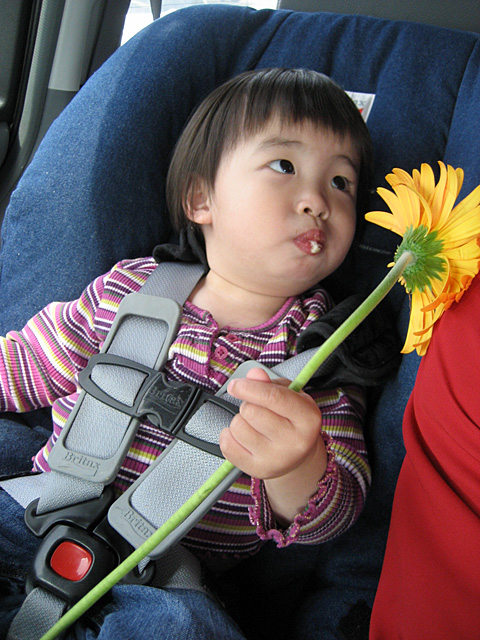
{"points": [[292, 97]]}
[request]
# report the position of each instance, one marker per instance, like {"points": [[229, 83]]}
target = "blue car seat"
{"points": [[94, 194]]}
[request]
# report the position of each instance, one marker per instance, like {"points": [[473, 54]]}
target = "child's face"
{"points": [[281, 216]]}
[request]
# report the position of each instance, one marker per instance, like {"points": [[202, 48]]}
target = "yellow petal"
{"points": [[385, 220], [460, 229], [425, 180], [399, 176], [407, 207], [400, 218], [469, 202]]}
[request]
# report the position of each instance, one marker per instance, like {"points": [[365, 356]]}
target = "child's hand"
{"points": [[276, 437]]}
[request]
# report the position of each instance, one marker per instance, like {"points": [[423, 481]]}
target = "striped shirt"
{"points": [[39, 367]]}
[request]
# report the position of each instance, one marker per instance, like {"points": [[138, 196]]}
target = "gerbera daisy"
{"points": [[442, 236]]}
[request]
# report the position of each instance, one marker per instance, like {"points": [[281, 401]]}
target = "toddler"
{"points": [[263, 189]]}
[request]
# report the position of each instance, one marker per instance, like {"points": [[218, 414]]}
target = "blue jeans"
{"points": [[127, 613]]}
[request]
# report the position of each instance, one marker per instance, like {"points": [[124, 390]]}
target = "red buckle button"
{"points": [[71, 561]]}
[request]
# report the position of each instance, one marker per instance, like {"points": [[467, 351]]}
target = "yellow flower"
{"points": [[443, 237]]}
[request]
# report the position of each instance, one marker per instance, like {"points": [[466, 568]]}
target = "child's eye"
{"points": [[340, 183], [282, 166]]}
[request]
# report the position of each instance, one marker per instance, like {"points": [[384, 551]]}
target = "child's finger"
{"points": [[258, 374], [274, 396]]}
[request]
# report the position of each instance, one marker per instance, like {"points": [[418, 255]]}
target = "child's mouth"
{"points": [[311, 242]]}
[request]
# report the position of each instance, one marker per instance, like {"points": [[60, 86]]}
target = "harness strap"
{"points": [[35, 617], [96, 437]]}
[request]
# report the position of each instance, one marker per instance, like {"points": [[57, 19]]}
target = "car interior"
{"points": [[86, 132]]}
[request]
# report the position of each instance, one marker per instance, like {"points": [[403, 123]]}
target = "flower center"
{"points": [[429, 262]]}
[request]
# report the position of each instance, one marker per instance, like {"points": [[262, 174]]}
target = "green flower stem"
{"points": [[226, 467], [352, 322]]}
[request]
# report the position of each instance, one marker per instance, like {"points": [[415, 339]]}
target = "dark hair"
{"points": [[241, 107]]}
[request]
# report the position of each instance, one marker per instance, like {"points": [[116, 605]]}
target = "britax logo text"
{"points": [[83, 462], [138, 524]]}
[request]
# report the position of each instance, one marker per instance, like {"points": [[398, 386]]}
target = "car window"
{"points": [[140, 13]]}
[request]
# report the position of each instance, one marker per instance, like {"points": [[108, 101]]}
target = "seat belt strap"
{"points": [[96, 437]]}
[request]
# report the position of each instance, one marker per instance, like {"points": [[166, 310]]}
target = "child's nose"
{"points": [[314, 205]]}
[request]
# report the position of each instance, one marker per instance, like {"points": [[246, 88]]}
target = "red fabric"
{"points": [[430, 582]]}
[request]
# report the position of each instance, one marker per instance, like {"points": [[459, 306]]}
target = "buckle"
{"points": [[69, 563], [79, 548], [169, 405]]}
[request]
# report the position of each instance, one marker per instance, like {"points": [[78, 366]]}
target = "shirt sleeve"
{"points": [[38, 364], [342, 490]]}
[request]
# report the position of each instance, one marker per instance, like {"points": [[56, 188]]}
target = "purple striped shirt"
{"points": [[39, 365]]}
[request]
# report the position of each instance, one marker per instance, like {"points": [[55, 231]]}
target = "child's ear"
{"points": [[198, 205]]}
